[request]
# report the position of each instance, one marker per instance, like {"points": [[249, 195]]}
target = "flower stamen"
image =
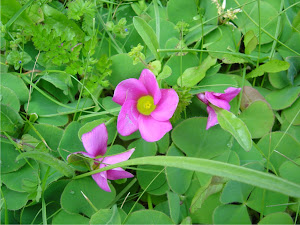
{"points": [[146, 105]]}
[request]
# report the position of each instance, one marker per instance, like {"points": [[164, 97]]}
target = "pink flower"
{"points": [[217, 99], [95, 143], [145, 107]]}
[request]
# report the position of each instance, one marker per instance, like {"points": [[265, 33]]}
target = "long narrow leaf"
{"points": [[48, 159], [233, 172], [147, 34], [229, 122]]}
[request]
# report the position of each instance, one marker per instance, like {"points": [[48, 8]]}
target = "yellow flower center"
{"points": [[145, 105]]}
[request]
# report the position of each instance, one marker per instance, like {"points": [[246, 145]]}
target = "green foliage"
{"points": [[17, 59], [97, 80], [185, 98], [60, 63], [118, 29], [136, 54]]}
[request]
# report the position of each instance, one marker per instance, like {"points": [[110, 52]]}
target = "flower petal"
{"points": [[151, 129], [212, 119], [216, 101], [113, 159], [202, 98], [95, 141], [166, 106], [149, 81], [118, 173], [230, 93], [131, 89], [128, 118], [101, 180]]}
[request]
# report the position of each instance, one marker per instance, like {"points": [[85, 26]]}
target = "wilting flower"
{"points": [[95, 143], [145, 107], [220, 100]]}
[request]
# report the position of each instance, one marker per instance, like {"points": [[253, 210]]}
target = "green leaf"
{"points": [[16, 59], [12, 11], [106, 216], [44, 107], [84, 103], [292, 114], [250, 42], [181, 11], [194, 75], [281, 99], [294, 68], [237, 173], [60, 80], [265, 13], [285, 146], [166, 72], [277, 218], [73, 201], [196, 35], [14, 180], [8, 97], [35, 13], [163, 144], [179, 180], [225, 39], [167, 30], [147, 34], [272, 66], [232, 59], [48, 159], [145, 176], [202, 194], [142, 148], [259, 118], [204, 215], [290, 171], [8, 158], [123, 68], [187, 220], [11, 121], [174, 206], [70, 141], [64, 217], [214, 82], [14, 200], [179, 64], [270, 199], [51, 134], [60, 21], [235, 192], [108, 104], [229, 122], [194, 140], [231, 214], [148, 217], [16, 84]]}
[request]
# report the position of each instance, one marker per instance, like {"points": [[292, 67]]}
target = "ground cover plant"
{"points": [[150, 112]]}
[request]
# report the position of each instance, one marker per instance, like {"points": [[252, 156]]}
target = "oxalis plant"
{"points": [[150, 112]]}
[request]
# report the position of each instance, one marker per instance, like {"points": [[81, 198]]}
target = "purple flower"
{"points": [[95, 143], [145, 107], [220, 100]]}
